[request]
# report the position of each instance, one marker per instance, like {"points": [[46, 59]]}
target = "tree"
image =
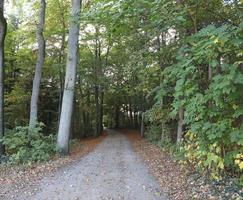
{"points": [[70, 79], [3, 28], [39, 65]]}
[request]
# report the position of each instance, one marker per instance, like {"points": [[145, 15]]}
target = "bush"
{"points": [[154, 133], [4, 159], [29, 146]]}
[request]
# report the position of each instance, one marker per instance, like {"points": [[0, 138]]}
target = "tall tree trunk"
{"points": [[68, 94], [135, 116], [101, 92], [39, 65], [142, 126], [131, 114], [101, 110], [61, 75], [117, 116], [88, 118], [180, 125], [97, 84], [61, 60], [3, 29], [210, 72], [84, 127], [97, 116], [127, 115], [162, 122]]}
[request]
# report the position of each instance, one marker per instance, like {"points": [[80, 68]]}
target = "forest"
{"points": [[172, 69]]}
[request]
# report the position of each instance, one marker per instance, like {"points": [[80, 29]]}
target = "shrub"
{"points": [[29, 146], [154, 133]]}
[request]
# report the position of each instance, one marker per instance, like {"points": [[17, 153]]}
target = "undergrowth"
{"points": [[26, 146], [190, 155]]}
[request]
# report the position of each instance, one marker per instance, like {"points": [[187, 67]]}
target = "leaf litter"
{"points": [[23, 178], [178, 181]]}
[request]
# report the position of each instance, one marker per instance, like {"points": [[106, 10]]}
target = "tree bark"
{"points": [[162, 122], [97, 117], [3, 29], [131, 114], [142, 125], [101, 110], [88, 118], [38, 68], [180, 125], [61, 60], [97, 82], [70, 77], [210, 72], [117, 116]]}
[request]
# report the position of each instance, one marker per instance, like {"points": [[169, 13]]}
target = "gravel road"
{"points": [[113, 171]]}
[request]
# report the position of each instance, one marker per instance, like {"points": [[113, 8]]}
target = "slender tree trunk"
{"points": [[180, 125], [88, 118], [210, 73], [117, 116], [162, 122], [128, 117], [101, 92], [70, 77], [135, 116], [131, 114], [3, 29], [101, 110], [97, 84], [97, 116], [84, 127], [38, 68], [142, 125]]}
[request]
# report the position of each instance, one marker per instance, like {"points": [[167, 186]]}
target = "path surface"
{"points": [[112, 171]]}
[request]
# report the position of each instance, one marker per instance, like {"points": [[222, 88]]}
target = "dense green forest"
{"points": [[173, 69]]}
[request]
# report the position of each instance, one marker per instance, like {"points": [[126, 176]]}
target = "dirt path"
{"points": [[112, 171]]}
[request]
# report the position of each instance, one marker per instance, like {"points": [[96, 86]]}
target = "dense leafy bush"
{"points": [[213, 113], [213, 108], [29, 146], [153, 133]]}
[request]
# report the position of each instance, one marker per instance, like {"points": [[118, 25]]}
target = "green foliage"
{"points": [[154, 133], [29, 146], [212, 106]]}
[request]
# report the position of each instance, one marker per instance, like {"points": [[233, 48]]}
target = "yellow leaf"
{"points": [[241, 165], [216, 41], [237, 162]]}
